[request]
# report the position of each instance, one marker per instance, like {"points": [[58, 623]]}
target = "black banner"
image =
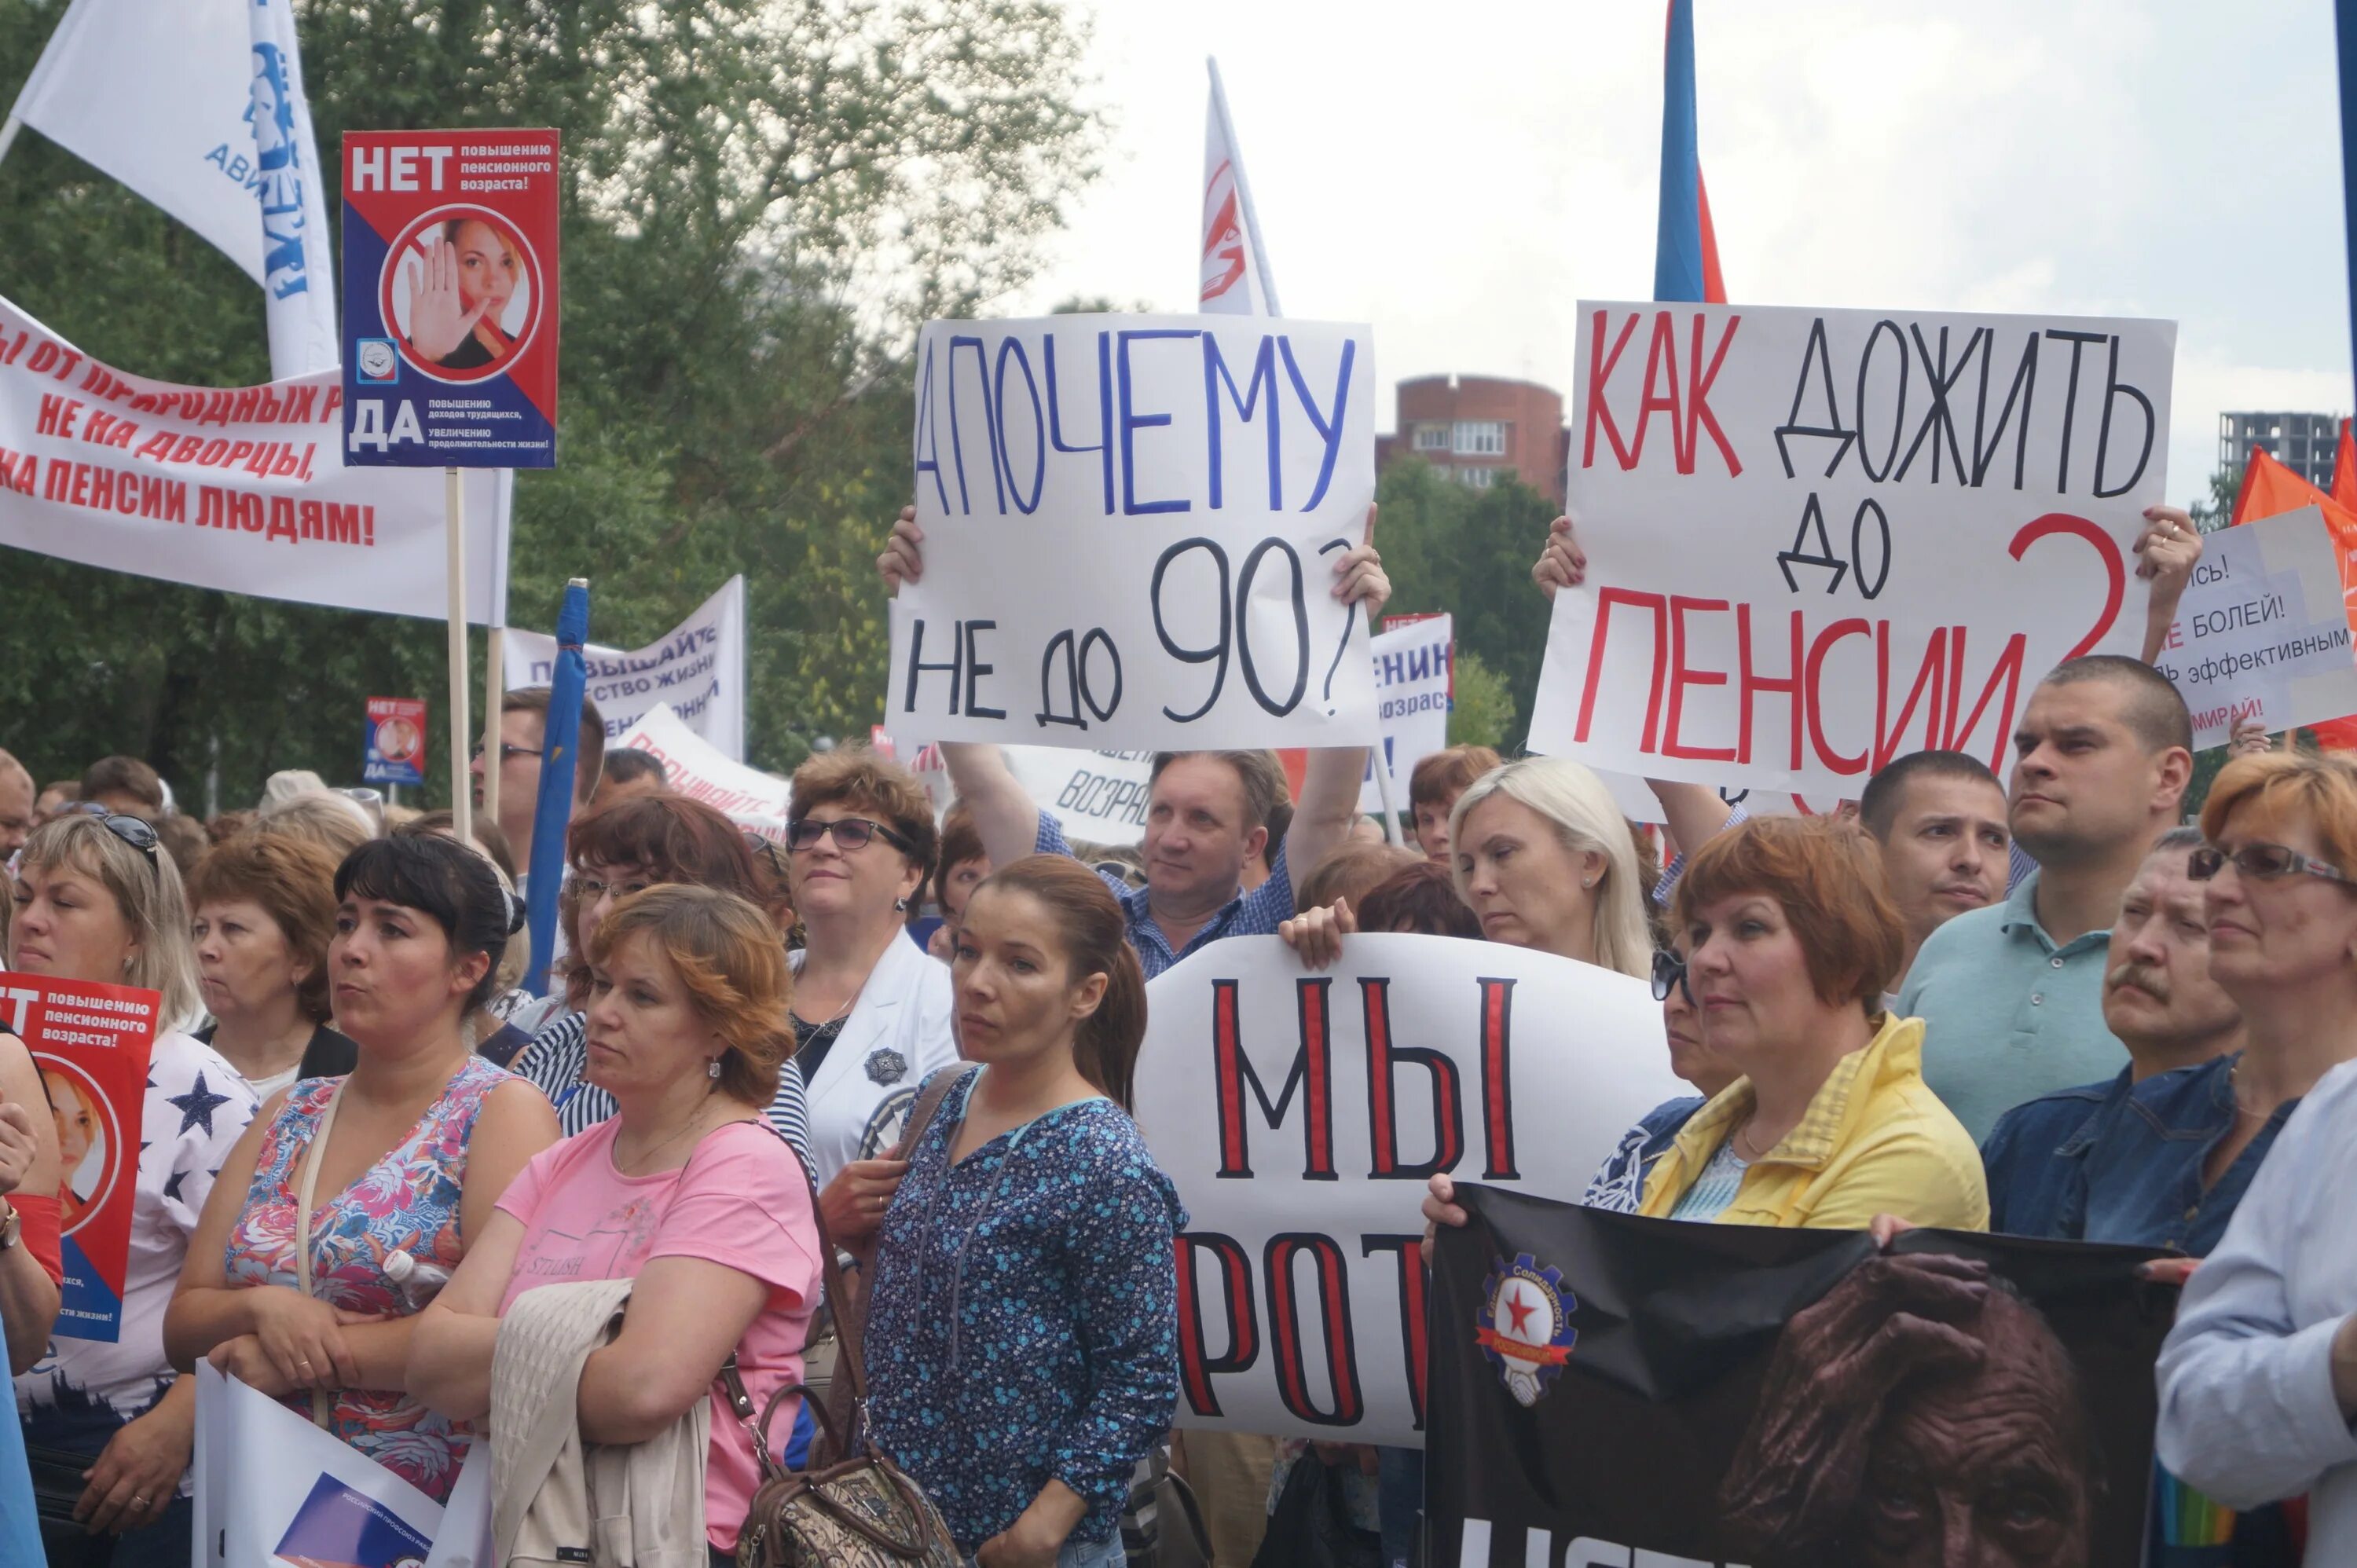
{"points": [[1645, 1393]]}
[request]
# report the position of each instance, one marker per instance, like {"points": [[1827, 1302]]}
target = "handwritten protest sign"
{"points": [[1820, 539], [243, 489], [450, 298], [1414, 672], [2262, 630], [1300, 1113], [697, 769], [1130, 527], [92, 1044], [698, 672]]}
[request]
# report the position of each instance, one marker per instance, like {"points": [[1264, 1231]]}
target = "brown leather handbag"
{"points": [[860, 1510]]}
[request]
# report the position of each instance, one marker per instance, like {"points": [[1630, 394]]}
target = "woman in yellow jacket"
{"points": [[1791, 941]]}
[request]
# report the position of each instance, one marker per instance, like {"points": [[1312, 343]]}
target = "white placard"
{"points": [[2262, 630], [696, 768], [1098, 796], [1131, 523], [1820, 538], [238, 489], [1414, 666], [1300, 1113], [697, 671]]}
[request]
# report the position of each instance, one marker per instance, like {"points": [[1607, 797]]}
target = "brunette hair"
{"points": [[2321, 787], [124, 776], [1349, 870], [1827, 876], [448, 883], [145, 886], [1096, 941], [726, 954], [863, 780], [960, 840], [293, 881], [1419, 897], [590, 745], [678, 840], [1445, 774]]}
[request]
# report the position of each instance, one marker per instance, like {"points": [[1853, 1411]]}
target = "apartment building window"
{"points": [[1432, 438], [1477, 478], [1480, 437]]}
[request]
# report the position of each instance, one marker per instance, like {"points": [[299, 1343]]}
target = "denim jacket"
{"points": [[2122, 1162]]}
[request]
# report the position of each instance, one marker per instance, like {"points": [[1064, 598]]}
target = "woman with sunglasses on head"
{"points": [[340, 1213], [624, 850], [109, 1428]]}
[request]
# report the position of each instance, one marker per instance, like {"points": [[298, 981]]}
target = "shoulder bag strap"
{"points": [[929, 1105], [322, 1403]]}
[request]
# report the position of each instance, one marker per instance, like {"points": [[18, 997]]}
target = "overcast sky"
{"points": [[1461, 174]]}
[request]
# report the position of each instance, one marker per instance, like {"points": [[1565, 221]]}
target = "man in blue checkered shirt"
{"points": [[1207, 812]]}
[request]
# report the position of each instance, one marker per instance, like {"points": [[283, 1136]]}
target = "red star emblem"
{"points": [[1520, 1311]]}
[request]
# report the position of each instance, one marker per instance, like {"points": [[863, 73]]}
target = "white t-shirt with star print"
{"points": [[83, 1390]]}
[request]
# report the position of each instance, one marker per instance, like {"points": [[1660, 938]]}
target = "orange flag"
{"points": [[2270, 489]]}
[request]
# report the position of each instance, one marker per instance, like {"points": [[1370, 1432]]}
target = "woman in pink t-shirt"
{"points": [[686, 1190]]}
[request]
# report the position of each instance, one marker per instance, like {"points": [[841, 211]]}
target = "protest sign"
{"points": [[1098, 796], [1608, 1390], [92, 1044], [2262, 630], [395, 748], [1414, 674], [697, 769], [1131, 524], [272, 1489], [239, 489], [1817, 540], [1300, 1114], [698, 670], [450, 298]]}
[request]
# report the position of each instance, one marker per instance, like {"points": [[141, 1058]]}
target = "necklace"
{"points": [[686, 1127], [2234, 1087], [1742, 1141]]}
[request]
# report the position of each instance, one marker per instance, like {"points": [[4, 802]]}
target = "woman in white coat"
{"points": [[871, 1013]]}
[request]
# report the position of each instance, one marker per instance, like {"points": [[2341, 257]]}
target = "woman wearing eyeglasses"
{"points": [[871, 1013], [108, 1427], [623, 850]]}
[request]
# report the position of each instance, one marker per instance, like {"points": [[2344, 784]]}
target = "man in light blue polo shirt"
{"points": [[2012, 998]]}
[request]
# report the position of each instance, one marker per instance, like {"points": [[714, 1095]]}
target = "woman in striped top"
{"points": [[612, 855]]}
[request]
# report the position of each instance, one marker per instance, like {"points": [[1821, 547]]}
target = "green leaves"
{"points": [[766, 196]]}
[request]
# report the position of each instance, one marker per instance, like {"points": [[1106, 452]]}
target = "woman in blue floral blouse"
{"points": [[1023, 1334]]}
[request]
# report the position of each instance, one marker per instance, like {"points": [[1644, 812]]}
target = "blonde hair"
{"points": [[1576, 800], [2319, 786], [148, 892]]}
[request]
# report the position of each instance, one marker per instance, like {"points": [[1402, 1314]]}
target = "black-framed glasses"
{"points": [[2260, 863], [139, 834], [506, 751], [849, 832], [592, 889], [1670, 970]]}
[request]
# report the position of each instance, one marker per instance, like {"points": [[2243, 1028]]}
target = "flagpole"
{"points": [[494, 688], [454, 507], [1244, 188]]}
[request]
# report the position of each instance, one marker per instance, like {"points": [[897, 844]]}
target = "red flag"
{"points": [[2344, 469]]}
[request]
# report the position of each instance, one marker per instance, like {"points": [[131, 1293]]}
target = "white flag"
{"points": [[1235, 278], [698, 669], [162, 95]]}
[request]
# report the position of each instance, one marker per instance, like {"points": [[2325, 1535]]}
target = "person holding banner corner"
{"points": [[1204, 816]]}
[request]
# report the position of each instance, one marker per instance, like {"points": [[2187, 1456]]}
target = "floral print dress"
{"points": [[407, 1202], [1025, 1322]]}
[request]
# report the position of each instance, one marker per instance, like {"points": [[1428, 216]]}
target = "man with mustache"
{"points": [[2124, 1160], [2011, 996]]}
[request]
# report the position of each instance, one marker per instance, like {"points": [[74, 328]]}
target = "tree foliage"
{"points": [[764, 197]]}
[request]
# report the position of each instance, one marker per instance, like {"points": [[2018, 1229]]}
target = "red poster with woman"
{"points": [[91, 1045]]}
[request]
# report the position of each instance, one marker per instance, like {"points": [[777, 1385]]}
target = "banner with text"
{"points": [[1414, 682], [698, 670], [92, 1044], [1610, 1389], [1818, 540], [700, 770], [1131, 524], [1300, 1113], [1098, 796], [238, 489], [450, 298], [2262, 630]]}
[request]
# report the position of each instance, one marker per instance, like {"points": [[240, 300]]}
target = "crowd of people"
{"points": [[838, 1121]]}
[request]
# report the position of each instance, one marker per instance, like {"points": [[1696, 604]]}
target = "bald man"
{"points": [[17, 795]]}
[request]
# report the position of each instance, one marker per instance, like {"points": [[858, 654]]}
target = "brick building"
{"points": [[1477, 428]]}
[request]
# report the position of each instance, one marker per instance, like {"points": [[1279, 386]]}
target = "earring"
{"points": [[1587, 882], [712, 1068], [900, 905]]}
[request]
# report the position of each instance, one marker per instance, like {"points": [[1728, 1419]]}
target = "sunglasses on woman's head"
{"points": [[849, 833], [2260, 863], [1670, 970], [132, 831]]}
